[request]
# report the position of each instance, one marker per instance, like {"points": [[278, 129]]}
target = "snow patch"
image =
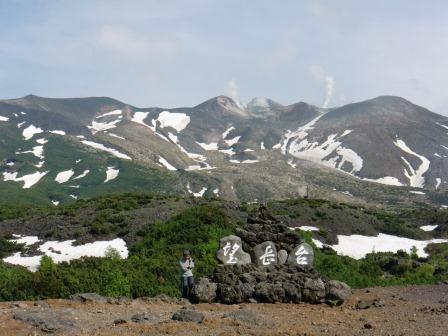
{"points": [[227, 151], [416, 192], [106, 149], [99, 126], [26, 240], [233, 141], [299, 134], [37, 151], [262, 146], [178, 121], [66, 251], [30, 131], [428, 228], [415, 176], [318, 243], [438, 182], [291, 163], [28, 180], [58, 132], [209, 147], [3, 118], [84, 174], [226, 133], [166, 164], [111, 174], [330, 153], [40, 164], [115, 112], [308, 228], [389, 180], [446, 127], [42, 141], [140, 116], [197, 194], [357, 246], [55, 203], [116, 136], [64, 176]]}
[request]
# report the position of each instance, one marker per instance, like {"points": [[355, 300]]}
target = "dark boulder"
{"points": [[313, 290], [269, 292], [204, 291], [47, 321], [337, 290], [188, 315], [235, 294]]}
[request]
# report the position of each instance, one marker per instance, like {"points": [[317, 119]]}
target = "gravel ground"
{"points": [[407, 310]]}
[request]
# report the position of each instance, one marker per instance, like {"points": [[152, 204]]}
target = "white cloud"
{"points": [[129, 42]]}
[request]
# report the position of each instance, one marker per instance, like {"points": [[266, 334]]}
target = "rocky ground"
{"points": [[408, 310]]}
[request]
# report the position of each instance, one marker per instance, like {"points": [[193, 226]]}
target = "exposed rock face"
{"points": [[231, 251], [283, 276]]}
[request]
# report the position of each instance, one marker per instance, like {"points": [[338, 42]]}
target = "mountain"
{"points": [[385, 150]]}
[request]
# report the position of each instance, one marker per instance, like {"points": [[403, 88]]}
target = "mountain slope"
{"points": [[61, 149], [386, 139]]}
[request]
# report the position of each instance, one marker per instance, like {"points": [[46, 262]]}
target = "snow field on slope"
{"points": [[28, 180], [415, 176], [66, 251], [357, 246], [106, 149]]}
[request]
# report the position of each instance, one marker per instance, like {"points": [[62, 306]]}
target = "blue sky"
{"points": [[179, 53]]}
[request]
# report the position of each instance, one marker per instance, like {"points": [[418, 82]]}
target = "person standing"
{"points": [[186, 274]]}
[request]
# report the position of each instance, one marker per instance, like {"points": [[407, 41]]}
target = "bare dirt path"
{"points": [[407, 310]]}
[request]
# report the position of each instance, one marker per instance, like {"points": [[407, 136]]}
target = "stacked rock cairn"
{"points": [[267, 262]]}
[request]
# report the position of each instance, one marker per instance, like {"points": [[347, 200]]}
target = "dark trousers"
{"points": [[187, 284]]}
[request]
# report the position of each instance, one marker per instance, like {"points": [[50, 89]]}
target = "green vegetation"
{"points": [[151, 269], [158, 227]]}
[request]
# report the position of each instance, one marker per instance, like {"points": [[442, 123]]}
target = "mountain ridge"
{"points": [[235, 151]]}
